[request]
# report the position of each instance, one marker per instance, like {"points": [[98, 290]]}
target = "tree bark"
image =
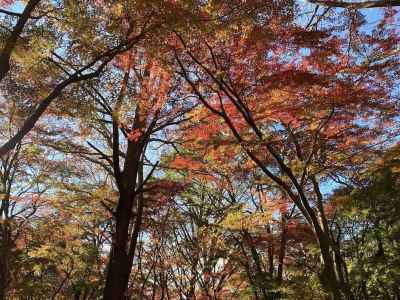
{"points": [[282, 249], [5, 254], [261, 280], [119, 267], [129, 182], [270, 252]]}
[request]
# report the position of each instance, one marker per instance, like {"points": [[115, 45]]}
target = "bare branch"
{"points": [[357, 5]]}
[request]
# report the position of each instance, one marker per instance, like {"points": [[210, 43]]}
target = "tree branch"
{"points": [[12, 39], [76, 77], [364, 4]]}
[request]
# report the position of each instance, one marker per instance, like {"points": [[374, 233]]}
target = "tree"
{"points": [[11, 41], [308, 106], [73, 68], [198, 150], [22, 185], [366, 225]]}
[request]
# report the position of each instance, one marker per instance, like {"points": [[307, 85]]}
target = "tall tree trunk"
{"points": [[261, 280], [333, 256], [328, 276], [282, 249], [118, 267], [270, 252], [6, 246], [124, 243], [4, 261], [193, 276]]}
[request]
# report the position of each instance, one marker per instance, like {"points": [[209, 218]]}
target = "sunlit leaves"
{"points": [[240, 220]]}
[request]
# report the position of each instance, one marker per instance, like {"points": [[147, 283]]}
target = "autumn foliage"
{"points": [[199, 150]]}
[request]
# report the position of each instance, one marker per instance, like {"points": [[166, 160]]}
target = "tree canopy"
{"points": [[199, 149]]}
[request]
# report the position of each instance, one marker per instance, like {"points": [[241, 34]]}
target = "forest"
{"points": [[199, 149]]}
